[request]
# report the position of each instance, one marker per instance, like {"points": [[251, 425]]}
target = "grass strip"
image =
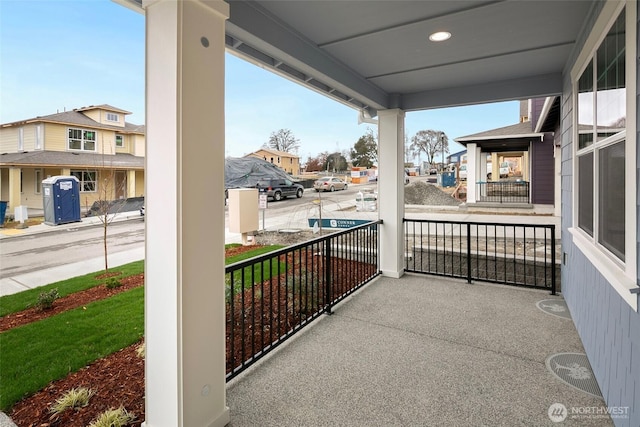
{"points": [[38, 353], [261, 271], [251, 253], [25, 299]]}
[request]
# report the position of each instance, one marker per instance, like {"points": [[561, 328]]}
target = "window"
{"points": [[20, 139], [38, 181], [81, 139], [604, 159], [87, 180], [119, 141], [39, 138], [601, 114], [112, 117]]}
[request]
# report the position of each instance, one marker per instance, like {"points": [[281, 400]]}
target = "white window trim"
{"points": [[20, 139], [82, 130], [621, 275], [38, 181], [116, 141], [81, 183], [39, 142], [110, 119]]}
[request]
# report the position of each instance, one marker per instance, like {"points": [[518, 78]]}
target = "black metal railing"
{"points": [[514, 254], [503, 192], [271, 297]]}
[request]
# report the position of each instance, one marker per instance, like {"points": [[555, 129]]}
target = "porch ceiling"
{"points": [[377, 54]]}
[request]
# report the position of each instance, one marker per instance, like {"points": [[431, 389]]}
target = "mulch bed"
{"points": [[118, 379]]}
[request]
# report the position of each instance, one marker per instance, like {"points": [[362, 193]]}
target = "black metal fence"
{"points": [[514, 254], [503, 191], [271, 297]]}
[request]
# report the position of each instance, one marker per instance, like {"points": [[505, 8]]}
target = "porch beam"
{"points": [[391, 191], [184, 265]]}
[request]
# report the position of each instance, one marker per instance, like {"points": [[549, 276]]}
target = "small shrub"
{"points": [[113, 418], [113, 283], [75, 398], [47, 298]]}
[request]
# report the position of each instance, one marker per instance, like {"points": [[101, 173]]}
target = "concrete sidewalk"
{"points": [[418, 351]]}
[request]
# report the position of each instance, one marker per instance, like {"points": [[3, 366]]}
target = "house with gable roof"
{"points": [[95, 144], [290, 163], [524, 153]]}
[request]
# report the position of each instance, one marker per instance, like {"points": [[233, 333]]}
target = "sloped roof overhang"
{"points": [[376, 55], [61, 159]]}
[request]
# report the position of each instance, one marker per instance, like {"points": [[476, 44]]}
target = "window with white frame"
{"points": [[82, 139], [112, 117], [87, 180], [20, 139], [39, 137], [38, 181], [119, 141], [601, 113]]}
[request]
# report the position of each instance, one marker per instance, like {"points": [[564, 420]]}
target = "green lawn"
{"points": [[22, 300], [33, 355], [38, 353]]}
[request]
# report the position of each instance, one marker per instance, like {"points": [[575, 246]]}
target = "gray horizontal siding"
{"points": [[608, 327], [610, 332]]}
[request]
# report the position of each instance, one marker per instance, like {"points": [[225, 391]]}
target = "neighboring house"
{"points": [[94, 144], [457, 158], [290, 163], [517, 151]]}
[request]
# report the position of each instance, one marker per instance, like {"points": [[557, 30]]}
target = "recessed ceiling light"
{"points": [[440, 36]]}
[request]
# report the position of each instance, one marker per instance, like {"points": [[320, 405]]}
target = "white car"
{"points": [[329, 183]]}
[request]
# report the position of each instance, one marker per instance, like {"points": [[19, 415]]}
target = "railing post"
{"points": [[468, 252], [553, 259], [327, 276]]}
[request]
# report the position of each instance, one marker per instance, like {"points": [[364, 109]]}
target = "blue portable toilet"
{"points": [[448, 179], [3, 211], [61, 200]]}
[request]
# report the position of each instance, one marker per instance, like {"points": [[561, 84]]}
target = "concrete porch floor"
{"points": [[418, 351]]}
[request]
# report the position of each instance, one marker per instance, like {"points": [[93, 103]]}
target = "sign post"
{"points": [[262, 204]]}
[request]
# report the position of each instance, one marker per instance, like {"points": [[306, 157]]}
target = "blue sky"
{"points": [[57, 55]]}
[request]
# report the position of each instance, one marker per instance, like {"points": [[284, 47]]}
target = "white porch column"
{"points": [[15, 197], [184, 267], [131, 183], [474, 172], [391, 191]]}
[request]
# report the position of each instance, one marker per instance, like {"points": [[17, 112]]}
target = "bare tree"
{"points": [[106, 205], [283, 140], [431, 143]]}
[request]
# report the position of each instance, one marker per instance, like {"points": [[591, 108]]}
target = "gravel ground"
{"points": [[422, 193]]}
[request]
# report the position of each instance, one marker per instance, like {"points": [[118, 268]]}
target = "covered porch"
{"points": [[383, 67], [419, 350]]}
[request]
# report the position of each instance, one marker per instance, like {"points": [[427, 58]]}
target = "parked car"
{"points": [[279, 188], [329, 183]]}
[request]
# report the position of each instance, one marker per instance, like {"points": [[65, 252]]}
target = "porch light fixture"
{"points": [[440, 36]]}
